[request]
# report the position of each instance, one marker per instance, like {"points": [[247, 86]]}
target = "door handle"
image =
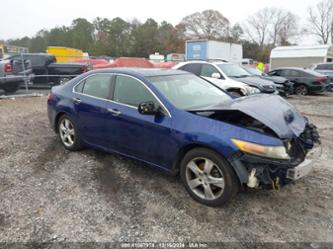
{"points": [[76, 100], [114, 112]]}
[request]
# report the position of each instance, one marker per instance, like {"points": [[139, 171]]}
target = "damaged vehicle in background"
{"points": [[13, 73], [306, 81], [283, 85], [237, 73], [48, 72], [211, 72], [181, 123]]}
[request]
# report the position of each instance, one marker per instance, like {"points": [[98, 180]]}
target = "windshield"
{"points": [[233, 70], [188, 92], [253, 71]]}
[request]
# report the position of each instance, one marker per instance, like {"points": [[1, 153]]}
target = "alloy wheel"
{"points": [[67, 132], [301, 90], [205, 178]]}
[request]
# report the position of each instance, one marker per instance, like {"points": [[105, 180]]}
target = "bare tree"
{"points": [[320, 20], [257, 27], [271, 26], [209, 24], [284, 26], [289, 29]]}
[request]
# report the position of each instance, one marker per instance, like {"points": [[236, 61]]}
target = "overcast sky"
{"points": [[20, 18]]}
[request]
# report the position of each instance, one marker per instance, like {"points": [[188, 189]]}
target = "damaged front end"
{"points": [[273, 173], [263, 166]]}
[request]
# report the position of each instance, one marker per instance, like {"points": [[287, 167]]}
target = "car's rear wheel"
{"points": [[301, 90], [208, 177], [68, 133]]}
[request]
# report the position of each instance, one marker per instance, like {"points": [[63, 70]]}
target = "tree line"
{"points": [[262, 31]]}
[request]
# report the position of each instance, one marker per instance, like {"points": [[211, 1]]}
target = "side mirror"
{"points": [[216, 75], [148, 108]]}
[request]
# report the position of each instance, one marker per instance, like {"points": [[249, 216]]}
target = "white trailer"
{"points": [[207, 49], [300, 56]]}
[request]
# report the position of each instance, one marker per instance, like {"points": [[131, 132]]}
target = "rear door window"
{"points": [[294, 73], [192, 68], [97, 86], [35, 60], [289, 73]]}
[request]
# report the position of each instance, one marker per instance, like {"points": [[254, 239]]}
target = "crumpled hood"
{"points": [[255, 81], [271, 110]]}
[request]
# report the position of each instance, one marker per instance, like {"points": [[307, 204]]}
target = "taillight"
{"points": [[8, 68], [50, 96], [320, 80], [84, 69]]}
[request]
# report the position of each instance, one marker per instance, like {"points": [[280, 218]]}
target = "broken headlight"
{"points": [[276, 152]]}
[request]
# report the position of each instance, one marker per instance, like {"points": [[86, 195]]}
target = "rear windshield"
{"points": [[312, 72]]}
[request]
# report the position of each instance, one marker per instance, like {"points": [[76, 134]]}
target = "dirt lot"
{"points": [[49, 194]]}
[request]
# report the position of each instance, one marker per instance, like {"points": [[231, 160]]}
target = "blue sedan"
{"points": [[183, 124]]}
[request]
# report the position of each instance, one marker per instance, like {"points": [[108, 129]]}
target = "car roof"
{"points": [[287, 68], [308, 71], [144, 72], [203, 62]]}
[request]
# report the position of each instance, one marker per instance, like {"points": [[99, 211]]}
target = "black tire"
{"points": [[76, 145], [231, 182], [11, 88], [301, 90]]}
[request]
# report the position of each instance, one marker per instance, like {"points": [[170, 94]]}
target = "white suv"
{"points": [[213, 73]]}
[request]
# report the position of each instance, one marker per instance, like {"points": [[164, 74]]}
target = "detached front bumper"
{"points": [[285, 90], [260, 172]]}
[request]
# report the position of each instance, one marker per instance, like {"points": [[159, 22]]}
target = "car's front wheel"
{"points": [[208, 177], [301, 90], [68, 133]]}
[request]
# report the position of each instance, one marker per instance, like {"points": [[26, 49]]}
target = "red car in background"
{"points": [[126, 62]]}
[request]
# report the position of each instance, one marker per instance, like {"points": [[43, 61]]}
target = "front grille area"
{"points": [[300, 146], [269, 88], [296, 150]]}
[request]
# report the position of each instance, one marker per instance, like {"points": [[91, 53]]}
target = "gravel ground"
{"points": [[50, 194], [42, 91]]}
